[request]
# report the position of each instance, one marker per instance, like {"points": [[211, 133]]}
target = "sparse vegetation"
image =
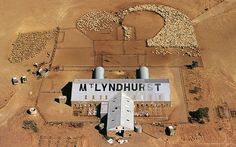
{"points": [[195, 90], [76, 124], [29, 124], [193, 65], [198, 98]]}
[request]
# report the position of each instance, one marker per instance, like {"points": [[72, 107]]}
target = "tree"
{"points": [[193, 65], [200, 114], [29, 124]]}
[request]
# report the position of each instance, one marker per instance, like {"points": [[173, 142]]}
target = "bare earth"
{"points": [[77, 54]]}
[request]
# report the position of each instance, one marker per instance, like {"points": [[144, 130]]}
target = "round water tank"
{"points": [[32, 111], [143, 73], [98, 73], [170, 131]]}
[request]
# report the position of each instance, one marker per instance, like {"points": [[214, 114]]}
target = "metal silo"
{"points": [[98, 73], [143, 73]]}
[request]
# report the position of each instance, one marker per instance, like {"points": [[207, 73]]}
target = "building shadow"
{"points": [[98, 108], [66, 91], [102, 130], [137, 74], [167, 131], [93, 74], [57, 100]]}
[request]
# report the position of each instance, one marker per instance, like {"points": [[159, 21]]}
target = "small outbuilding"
{"points": [[14, 81], [43, 72], [138, 128], [170, 130], [62, 99], [23, 79]]}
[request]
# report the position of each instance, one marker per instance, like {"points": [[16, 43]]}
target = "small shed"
{"points": [[138, 128], [14, 81], [62, 99], [23, 79], [43, 72]]}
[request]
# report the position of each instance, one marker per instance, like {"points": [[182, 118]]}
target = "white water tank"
{"points": [[143, 73], [98, 73], [32, 111]]}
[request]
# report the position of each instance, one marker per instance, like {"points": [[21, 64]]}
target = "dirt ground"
{"points": [[77, 54]]}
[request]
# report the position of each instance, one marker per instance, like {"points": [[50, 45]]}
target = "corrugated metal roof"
{"points": [[104, 108], [120, 113], [136, 89]]}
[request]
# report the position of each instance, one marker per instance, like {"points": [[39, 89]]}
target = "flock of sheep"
{"points": [[177, 32], [28, 45]]}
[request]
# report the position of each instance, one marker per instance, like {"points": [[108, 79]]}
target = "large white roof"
{"points": [[136, 89], [120, 113]]}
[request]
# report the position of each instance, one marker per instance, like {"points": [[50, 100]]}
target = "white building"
{"points": [[103, 109], [120, 114], [118, 98], [89, 93], [99, 90]]}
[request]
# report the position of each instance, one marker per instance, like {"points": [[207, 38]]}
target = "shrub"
{"points": [[29, 124], [199, 114]]}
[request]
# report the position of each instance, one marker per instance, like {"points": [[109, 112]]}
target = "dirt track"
{"points": [[219, 9]]}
